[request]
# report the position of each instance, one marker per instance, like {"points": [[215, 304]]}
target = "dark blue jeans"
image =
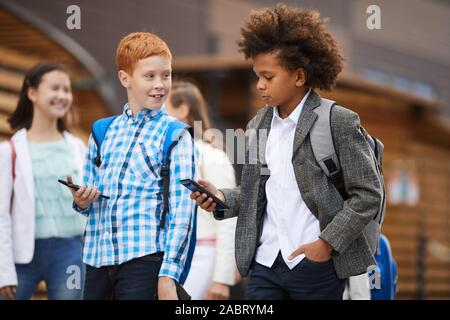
{"points": [[132, 280], [308, 280], [58, 262]]}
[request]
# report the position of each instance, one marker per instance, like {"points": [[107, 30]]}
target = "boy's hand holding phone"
{"points": [[84, 196], [202, 199]]}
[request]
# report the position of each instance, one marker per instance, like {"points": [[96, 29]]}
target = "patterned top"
{"points": [[54, 216], [126, 226]]}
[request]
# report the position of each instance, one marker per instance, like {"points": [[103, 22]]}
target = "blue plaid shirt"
{"points": [[126, 226]]}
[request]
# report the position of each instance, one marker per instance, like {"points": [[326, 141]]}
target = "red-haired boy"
{"points": [[127, 253]]}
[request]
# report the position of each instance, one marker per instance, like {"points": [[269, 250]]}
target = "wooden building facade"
{"points": [[22, 46]]}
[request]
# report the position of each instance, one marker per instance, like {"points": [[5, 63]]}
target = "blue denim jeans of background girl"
{"points": [[57, 261]]}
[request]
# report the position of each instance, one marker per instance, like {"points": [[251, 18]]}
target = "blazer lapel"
{"points": [[263, 132], [306, 120], [257, 135]]}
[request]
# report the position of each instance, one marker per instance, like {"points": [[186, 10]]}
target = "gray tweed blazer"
{"points": [[341, 222]]}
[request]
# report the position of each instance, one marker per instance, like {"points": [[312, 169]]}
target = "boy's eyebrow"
{"points": [[262, 72], [153, 71]]}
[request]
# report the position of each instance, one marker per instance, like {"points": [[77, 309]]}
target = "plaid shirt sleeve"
{"points": [[181, 209], [89, 172]]}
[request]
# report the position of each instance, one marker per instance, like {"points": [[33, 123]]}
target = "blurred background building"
{"points": [[396, 78]]}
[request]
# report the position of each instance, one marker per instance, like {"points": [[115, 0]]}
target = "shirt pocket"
{"points": [[145, 162]]}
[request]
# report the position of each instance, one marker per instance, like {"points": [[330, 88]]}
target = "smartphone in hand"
{"points": [[76, 187], [194, 186]]}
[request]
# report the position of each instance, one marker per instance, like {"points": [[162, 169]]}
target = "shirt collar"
{"points": [[295, 114], [146, 114]]}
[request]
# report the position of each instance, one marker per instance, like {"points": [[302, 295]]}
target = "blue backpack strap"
{"points": [[190, 254], [173, 134], [172, 137], [99, 129]]}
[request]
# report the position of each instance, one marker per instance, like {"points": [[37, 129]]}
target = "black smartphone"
{"points": [[76, 187], [194, 186]]}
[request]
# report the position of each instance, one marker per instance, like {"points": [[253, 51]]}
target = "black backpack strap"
{"points": [[166, 184], [338, 180]]}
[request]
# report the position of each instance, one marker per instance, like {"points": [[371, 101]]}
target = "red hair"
{"points": [[137, 46]]}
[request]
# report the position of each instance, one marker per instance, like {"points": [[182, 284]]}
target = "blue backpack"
{"points": [[387, 272], [173, 133]]}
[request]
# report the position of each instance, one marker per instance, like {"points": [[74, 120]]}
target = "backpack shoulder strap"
{"points": [[172, 136], [99, 129], [322, 139], [322, 144], [191, 249]]}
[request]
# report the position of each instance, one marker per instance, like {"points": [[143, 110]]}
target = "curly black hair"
{"points": [[299, 38]]}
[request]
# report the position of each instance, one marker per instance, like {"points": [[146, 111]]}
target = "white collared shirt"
{"points": [[288, 223]]}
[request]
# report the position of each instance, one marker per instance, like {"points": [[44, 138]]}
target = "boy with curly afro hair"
{"points": [[296, 235]]}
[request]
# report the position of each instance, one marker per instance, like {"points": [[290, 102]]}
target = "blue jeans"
{"points": [[308, 280], [57, 261], [135, 279]]}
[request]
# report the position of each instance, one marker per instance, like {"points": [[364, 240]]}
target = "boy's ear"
{"points": [[124, 78], [301, 77]]}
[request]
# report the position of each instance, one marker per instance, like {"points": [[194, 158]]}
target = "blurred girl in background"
{"points": [[213, 266], [40, 233]]}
